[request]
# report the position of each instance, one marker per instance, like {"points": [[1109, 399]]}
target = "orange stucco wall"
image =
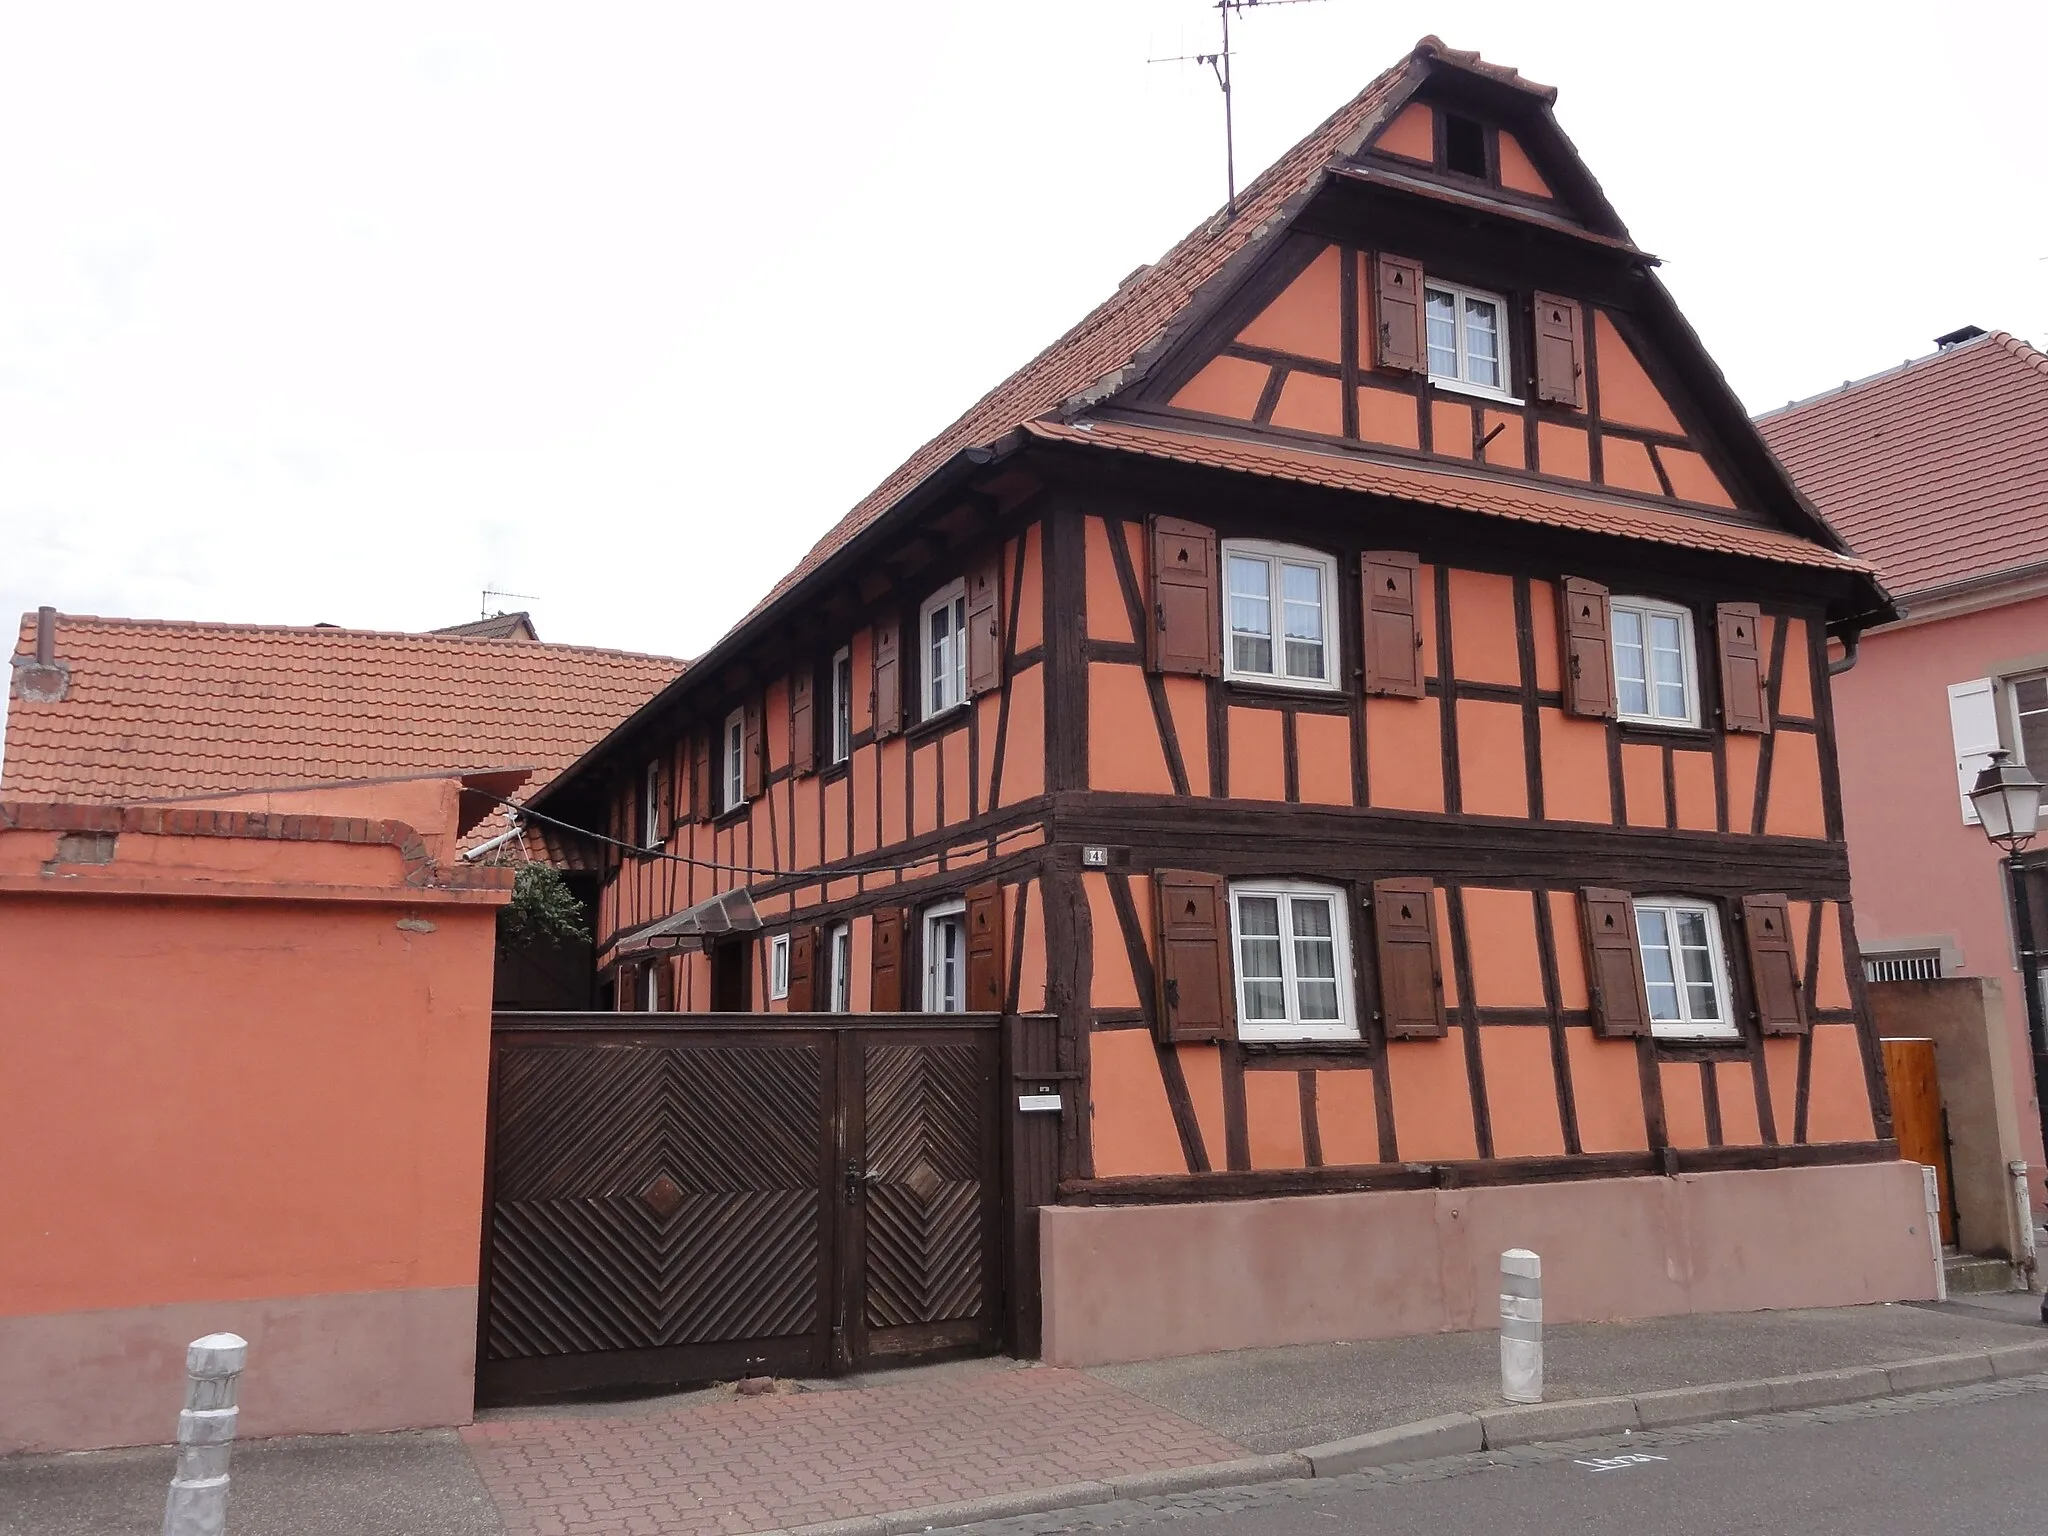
{"points": [[249, 1074]]}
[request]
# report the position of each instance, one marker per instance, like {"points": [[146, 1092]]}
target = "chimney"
{"points": [[40, 678]]}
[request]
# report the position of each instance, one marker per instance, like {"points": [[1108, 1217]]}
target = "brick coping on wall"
{"points": [[422, 874]]}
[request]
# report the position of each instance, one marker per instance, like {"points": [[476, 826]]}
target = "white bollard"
{"points": [[2027, 1260], [198, 1502], [1930, 1188], [1521, 1326]]}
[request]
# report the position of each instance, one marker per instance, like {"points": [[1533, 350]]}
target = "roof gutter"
{"points": [[941, 482]]}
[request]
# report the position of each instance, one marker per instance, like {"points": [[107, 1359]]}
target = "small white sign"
{"points": [[1094, 857], [1038, 1101]]}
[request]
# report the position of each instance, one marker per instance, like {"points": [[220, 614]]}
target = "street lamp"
{"points": [[2008, 802]]}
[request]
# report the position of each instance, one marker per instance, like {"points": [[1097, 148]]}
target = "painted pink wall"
{"points": [[1915, 868]]}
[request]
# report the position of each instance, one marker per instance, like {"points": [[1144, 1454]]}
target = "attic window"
{"points": [[1464, 146]]}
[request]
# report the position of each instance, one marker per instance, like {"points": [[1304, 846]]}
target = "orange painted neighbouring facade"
{"points": [[246, 1088]]}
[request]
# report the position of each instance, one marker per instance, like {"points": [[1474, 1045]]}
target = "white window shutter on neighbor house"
{"points": [[1973, 722]]}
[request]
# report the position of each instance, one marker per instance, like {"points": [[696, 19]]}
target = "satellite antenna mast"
{"points": [[1219, 61], [484, 608]]}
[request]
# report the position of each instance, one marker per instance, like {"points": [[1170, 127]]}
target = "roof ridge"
{"points": [[2020, 348], [1836, 391], [341, 631]]}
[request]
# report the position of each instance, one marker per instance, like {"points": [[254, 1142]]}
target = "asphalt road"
{"points": [[1974, 1460]]}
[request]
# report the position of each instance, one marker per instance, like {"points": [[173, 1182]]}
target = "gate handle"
{"points": [[856, 1176]]}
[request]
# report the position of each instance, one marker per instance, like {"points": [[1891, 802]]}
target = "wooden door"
{"points": [[1917, 1117], [921, 1253]]}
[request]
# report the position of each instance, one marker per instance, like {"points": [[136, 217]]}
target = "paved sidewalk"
{"points": [[711, 1462], [760, 1463]]}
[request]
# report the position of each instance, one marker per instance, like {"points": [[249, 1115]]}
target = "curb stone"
{"points": [[1462, 1433], [1454, 1434]]}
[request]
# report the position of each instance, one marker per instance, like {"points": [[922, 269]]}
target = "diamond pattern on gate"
{"points": [[925, 1214], [652, 1196]]}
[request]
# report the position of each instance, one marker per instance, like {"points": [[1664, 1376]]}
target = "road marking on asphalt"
{"points": [[1619, 1463]]}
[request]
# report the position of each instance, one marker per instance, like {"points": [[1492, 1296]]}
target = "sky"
{"points": [[347, 314]]}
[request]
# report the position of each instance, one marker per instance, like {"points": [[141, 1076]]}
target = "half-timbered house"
{"points": [[1365, 688]]}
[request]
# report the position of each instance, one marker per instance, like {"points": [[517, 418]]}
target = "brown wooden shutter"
{"points": [[1197, 997], [664, 986], [752, 763], [987, 980], [888, 962], [1397, 310], [985, 627], [803, 953], [679, 783], [1588, 648], [888, 697], [1560, 354], [1186, 632], [803, 721], [1411, 979], [703, 801], [1738, 626], [1773, 969], [1614, 963], [1393, 640]]}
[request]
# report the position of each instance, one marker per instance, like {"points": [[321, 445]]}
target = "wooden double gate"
{"points": [[683, 1198]]}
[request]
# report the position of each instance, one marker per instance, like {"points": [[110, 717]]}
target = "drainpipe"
{"points": [[1850, 642]]}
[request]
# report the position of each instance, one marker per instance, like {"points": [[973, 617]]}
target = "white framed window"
{"points": [[943, 627], [945, 957], [778, 966], [734, 760], [650, 987], [650, 806], [2029, 696], [1468, 339], [838, 990], [1685, 967], [840, 747], [1656, 669], [1292, 945], [1277, 622]]}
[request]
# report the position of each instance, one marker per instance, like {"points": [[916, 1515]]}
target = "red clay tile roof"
{"points": [[159, 709], [1089, 358], [1603, 513], [1937, 471]]}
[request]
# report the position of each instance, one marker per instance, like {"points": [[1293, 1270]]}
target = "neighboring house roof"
{"points": [[138, 709], [1936, 470], [499, 626]]}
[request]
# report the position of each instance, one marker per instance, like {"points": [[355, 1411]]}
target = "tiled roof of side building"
{"points": [[1938, 470], [155, 709]]}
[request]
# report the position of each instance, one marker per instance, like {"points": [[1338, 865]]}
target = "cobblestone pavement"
{"points": [[1336, 1491], [763, 1463]]}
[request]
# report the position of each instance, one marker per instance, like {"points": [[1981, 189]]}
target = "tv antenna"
{"points": [[484, 607], [1219, 61]]}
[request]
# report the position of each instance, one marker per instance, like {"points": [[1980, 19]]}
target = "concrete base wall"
{"points": [[1145, 1282], [371, 1360]]}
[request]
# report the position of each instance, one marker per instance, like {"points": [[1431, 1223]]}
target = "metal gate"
{"points": [[684, 1198]]}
